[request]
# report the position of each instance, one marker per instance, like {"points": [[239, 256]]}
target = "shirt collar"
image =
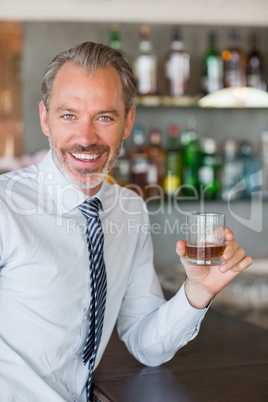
{"points": [[64, 194]]}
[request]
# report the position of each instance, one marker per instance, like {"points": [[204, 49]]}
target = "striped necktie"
{"points": [[97, 283]]}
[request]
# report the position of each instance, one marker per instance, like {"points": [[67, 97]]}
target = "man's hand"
{"points": [[204, 282]]}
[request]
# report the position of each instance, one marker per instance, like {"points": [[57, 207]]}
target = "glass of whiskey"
{"points": [[205, 238]]}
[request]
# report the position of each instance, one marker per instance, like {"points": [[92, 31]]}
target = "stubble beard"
{"points": [[84, 179]]}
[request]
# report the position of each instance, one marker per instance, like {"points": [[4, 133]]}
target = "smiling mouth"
{"points": [[86, 157]]}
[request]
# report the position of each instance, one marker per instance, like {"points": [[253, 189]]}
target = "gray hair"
{"points": [[91, 56]]}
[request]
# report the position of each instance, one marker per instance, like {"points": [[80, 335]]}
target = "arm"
{"points": [[153, 329], [203, 282]]}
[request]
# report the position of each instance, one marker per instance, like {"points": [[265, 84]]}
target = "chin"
{"points": [[88, 185], [88, 182], [82, 179]]}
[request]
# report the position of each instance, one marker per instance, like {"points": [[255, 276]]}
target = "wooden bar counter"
{"points": [[226, 362]]}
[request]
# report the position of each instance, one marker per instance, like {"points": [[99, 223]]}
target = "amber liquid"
{"points": [[208, 253]]}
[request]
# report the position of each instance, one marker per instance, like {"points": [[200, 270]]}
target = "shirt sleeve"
{"points": [[154, 329], [4, 233]]}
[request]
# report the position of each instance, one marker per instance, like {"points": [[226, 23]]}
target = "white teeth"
{"points": [[86, 156]]}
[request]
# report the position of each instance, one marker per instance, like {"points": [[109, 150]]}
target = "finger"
{"points": [[234, 261], [228, 234], [180, 249], [230, 249], [243, 264]]}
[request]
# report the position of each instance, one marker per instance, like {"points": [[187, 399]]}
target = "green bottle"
{"points": [[213, 68], [208, 172], [115, 38], [173, 162], [191, 160]]}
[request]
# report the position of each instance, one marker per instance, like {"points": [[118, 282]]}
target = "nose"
{"points": [[86, 133]]}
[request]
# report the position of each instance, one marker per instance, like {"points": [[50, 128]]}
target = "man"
{"points": [[87, 112]]}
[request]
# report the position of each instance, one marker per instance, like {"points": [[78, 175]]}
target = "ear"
{"points": [[129, 121], [43, 118]]}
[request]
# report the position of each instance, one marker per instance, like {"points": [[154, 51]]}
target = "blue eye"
{"points": [[105, 118], [69, 116]]}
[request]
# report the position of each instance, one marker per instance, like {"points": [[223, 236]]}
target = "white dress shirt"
{"points": [[44, 292]]}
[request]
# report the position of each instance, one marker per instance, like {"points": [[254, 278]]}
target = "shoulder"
{"points": [[18, 181]]}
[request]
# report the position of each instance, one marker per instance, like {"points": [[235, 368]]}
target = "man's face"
{"points": [[86, 124]]}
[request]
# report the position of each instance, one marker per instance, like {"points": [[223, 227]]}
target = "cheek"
{"points": [[115, 139], [115, 148], [60, 133]]}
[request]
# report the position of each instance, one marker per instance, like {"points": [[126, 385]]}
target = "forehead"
{"points": [[101, 89], [74, 78]]}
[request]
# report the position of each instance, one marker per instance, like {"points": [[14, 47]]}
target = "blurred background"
{"points": [[183, 154]]}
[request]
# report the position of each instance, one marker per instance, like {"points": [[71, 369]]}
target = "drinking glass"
{"points": [[205, 239]]}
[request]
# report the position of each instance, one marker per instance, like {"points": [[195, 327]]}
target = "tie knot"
{"points": [[90, 208]]}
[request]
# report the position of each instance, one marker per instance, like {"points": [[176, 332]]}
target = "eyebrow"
{"points": [[109, 111], [61, 109]]}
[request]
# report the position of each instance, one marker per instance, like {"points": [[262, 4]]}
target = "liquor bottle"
{"points": [[212, 67], [234, 63], [264, 163], [191, 159], [139, 162], [250, 166], [208, 172], [173, 162], [255, 62], [156, 169], [120, 173], [177, 66], [231, 172], [115, 38], [145, 65]]}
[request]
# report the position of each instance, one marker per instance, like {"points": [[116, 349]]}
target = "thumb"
{"points": [[180, 249]]}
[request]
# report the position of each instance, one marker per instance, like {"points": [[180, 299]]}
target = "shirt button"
{"points": [[75, 356], [86, 317], [74, 396]]}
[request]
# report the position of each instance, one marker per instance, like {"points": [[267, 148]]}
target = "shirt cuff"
{"points": [[181, 318]]}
